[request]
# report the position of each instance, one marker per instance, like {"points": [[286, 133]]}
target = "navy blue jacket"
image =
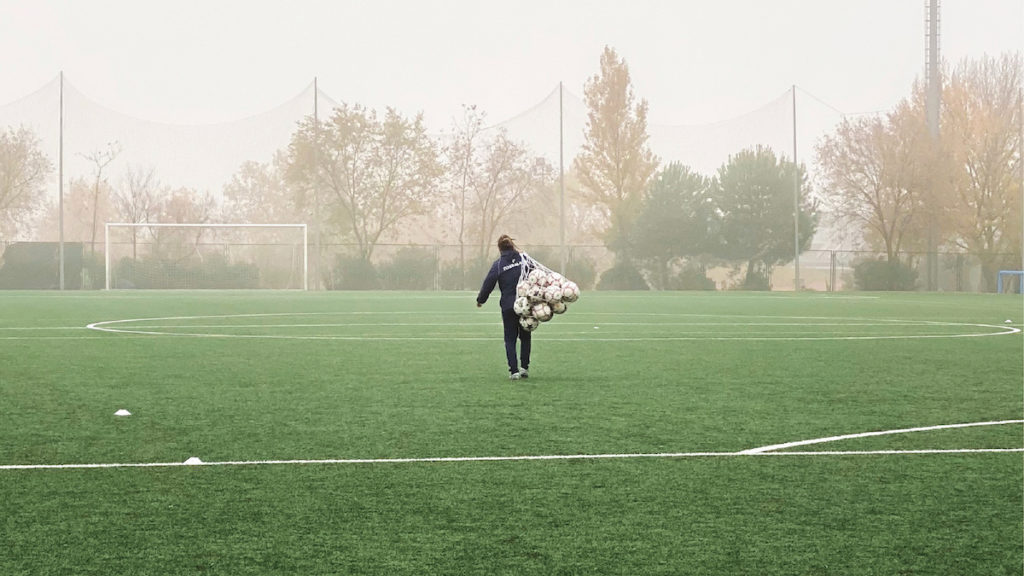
{"points": [[505, 273]]}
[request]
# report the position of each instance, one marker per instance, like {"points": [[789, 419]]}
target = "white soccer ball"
{"points": [[553, 294], [535, 276], [570, 292], [521, 305], [559, 307], [541, 311], [535, 293], [529, 323], [522, 288], [556, 278]]}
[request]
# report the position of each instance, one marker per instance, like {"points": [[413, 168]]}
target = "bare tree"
{"points": [[872, 175], [186, 206], [508, 176], [100, 159], [137, 200], [462, 165]]}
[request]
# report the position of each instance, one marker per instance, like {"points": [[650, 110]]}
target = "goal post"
{"points": [[205, 255]]}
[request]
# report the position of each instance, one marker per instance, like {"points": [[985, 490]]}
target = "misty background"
{"points": [[203, 112]]}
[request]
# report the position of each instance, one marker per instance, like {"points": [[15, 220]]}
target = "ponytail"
{"points": [[505, 242]]}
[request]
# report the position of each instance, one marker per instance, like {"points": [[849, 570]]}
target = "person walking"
{"points": [[505, 274]]}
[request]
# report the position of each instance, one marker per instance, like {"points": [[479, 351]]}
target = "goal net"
{"points": [[198, 256]]}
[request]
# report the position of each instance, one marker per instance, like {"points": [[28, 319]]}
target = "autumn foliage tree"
{"points": [[372, 172], [981, 130], [616, 162], [24, 170]]}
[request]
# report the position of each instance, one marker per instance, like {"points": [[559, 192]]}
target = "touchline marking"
{"points": [[773, 450], [547, 457], [775, 447]]}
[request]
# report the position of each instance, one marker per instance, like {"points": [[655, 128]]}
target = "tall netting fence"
{"points": [[117, 168]]}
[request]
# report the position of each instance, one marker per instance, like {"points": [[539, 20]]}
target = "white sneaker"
{"points": [[514, 376], [524, 373]]}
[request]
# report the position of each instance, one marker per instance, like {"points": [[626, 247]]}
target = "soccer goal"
{"points": [[195, 256]]}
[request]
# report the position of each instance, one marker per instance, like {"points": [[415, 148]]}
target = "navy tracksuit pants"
{"points": [[514, 330]]}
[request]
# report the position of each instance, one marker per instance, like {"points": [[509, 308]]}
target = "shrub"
{"points": [[214, 271], [883, 275], [35, 265], [756, 280], [622, 276], [353, 273], [409, 269], [455, 277], [691, 277]]}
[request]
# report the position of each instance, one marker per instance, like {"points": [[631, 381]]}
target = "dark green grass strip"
{"points": [[823, 515]]}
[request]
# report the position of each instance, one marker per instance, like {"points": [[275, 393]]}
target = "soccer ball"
{"points": [[535, 293], [536, 276], [522, 288], [541, 311], [559, 307], [529, 323], [521, 305], [553, 294], [570, 292]]}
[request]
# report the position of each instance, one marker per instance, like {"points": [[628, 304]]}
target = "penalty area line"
{"points": [[549, 457]]}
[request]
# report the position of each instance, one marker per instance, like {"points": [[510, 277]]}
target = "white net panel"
{"points": [[206, 256], [182, 172]]}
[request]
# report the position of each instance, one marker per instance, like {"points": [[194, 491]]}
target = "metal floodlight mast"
{"points": [[932, 107]]}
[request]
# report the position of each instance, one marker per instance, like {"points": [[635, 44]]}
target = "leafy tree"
{"points": [[24, 170], [677, 221], [616, 162], [754, 198], [981, 120], [375, 172]]}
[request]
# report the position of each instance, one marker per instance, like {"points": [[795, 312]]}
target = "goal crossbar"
{"points": [[108, 225]]}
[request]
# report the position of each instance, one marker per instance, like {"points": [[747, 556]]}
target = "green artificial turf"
{"points": [[246, 377]]}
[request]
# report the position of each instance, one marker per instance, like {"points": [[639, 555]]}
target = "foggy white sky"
{"points": [[198, 61]]}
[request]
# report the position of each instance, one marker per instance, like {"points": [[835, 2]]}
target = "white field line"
{"points": [[116, 326], [50, 338], [141, 328], [777, 447], [548, 457], [43, 327], [494, 323], [775, 450]]}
